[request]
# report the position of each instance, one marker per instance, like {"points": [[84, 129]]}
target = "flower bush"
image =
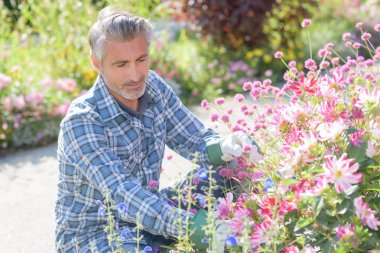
{"points": [[44, 64], [317, 190]]}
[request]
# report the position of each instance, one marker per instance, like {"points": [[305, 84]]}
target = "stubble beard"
{"points": [[127, 95]]}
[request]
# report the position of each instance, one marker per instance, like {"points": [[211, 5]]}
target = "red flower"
{"points": [[303, 85]]}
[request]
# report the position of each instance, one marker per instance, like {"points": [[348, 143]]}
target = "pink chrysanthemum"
{"points": [[340, 172], [225, 206], [261, 234], [366, 214], [345, 232]]}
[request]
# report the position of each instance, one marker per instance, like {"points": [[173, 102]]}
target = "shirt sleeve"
{"points": [[186, 134], [83, 140]]}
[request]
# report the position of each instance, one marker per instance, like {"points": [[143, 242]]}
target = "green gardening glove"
{"points": [[196, 224]]}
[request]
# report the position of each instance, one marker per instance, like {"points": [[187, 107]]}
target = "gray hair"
{"points": [[117, 25]]}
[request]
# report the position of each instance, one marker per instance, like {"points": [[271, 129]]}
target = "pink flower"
{"points": [[331, 111], [356, 45], [346, 36], [332, 130], [66, 84], [366, 36], [152, 184], [359, 25], [205, 105], [224, 172], [340, 172], [303, 85], [214, 116], [366, 214], [19, 102], [35, 99], [324, 64], [356, 138], [225, 118], [335, 60], [310, 64], [247, 148], [243, 108], [8, 103], [159, 45], [4, 81], [262, 234], [318, 188], [369, 63], [247, 86], [345, 232], [225, 206], [377, 27], [321, 52], [238, 98], [219, 101], [348, 44], [306, 22], [241, 215], [292, 64], [278, 54], [62, 109], [292, 249], [268, 82]]}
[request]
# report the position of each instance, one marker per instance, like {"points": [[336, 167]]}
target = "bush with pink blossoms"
{"points": [[31, 110], [318, 187]]}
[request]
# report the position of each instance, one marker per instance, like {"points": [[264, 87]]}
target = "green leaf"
{"points": [[371, 187], [289, 181], [373, 175], [303, 223], [343, 207], [317, 206], [328, 247], [369, 164], [357, 152]]}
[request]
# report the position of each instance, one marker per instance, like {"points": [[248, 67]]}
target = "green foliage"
{"points": [[44, 46]]}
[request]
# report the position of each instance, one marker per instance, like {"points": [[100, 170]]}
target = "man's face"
{"points": [[124, 68]]}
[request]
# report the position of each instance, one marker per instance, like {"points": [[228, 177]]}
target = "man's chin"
{"points": [[133, 95]]}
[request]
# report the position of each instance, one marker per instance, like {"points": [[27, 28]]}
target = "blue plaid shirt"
{"points": [[102, 148]]}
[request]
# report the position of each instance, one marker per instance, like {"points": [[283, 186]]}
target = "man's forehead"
{"points": [[126, 50]]}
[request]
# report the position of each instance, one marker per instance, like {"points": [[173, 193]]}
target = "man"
{"points": [[112, 142]]}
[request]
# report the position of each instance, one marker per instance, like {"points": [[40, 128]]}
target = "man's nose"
{"points": [[133, 73]]}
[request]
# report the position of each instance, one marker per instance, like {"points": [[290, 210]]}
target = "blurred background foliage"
{"points": [[203, 48]]}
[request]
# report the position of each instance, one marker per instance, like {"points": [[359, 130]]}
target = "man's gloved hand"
{"points": [[196, 238], [238, 143], [197, 233]]}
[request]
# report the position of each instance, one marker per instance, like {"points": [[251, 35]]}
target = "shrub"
{"points": [[317, 190], [231, 23]]}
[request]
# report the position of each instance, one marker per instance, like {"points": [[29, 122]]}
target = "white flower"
{"points": [[331, 131]]}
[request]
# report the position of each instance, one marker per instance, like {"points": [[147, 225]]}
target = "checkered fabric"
{"points": [[101, 149]]}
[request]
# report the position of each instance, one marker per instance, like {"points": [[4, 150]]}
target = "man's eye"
{"points": [[120, 65], [141, 60]]}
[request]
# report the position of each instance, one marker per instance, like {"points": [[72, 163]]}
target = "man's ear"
{"points": [[95, 62]]}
